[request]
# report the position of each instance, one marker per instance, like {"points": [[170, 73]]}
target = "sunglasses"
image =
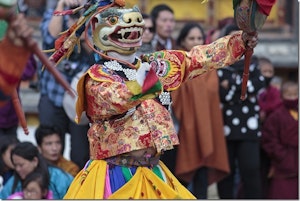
{"points": [[151, 29]]}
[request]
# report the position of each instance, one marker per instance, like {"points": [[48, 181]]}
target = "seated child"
{"points": [[35, 186]]}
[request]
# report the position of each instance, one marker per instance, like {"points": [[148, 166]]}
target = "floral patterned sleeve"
{"points": [[108, 98], [174, 66], [108, 94], [103, 95]]}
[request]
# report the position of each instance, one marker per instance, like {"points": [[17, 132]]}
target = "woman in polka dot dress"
{"points": [[241, 128]]}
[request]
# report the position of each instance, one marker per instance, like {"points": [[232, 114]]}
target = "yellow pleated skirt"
{"points": [[144, 184]]}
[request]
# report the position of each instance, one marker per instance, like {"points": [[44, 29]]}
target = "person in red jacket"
{"points": [[280, 141], [269, 99]]}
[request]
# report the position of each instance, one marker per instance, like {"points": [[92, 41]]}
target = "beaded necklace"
{"points": [[116, 66]]}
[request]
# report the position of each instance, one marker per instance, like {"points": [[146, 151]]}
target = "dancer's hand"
{"points": [[18, 30], [250, 39]]}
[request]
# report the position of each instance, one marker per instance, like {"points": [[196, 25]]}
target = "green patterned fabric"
{"points": [[156, 171], [3, 28], [126, 173]]}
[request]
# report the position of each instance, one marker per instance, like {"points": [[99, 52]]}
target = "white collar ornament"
{"points": [[131, 74], [116, 66]]}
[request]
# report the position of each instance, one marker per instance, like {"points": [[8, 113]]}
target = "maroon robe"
{"points": [[280, 141], [269, 100]]}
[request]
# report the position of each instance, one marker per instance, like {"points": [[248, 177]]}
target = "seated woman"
{"points": [[6, 166], [35, 186], [27, 159]]}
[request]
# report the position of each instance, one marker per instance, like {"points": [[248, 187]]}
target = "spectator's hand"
{"points": [[5, 12], [250, 39], [271, 172], [18, 30], [262, 115]]}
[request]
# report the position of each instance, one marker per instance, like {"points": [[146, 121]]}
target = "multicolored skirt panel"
{"points": [[100, 180]]}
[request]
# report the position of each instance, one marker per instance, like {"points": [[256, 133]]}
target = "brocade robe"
{"points": [[104, 95]]}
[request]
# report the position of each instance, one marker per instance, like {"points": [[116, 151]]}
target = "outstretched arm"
{"points": [[174, 66]]}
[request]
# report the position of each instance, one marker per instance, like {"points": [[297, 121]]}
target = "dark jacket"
{"points": [[241, 118]]}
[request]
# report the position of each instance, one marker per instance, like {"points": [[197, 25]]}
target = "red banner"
{"points": [[265, 6]]}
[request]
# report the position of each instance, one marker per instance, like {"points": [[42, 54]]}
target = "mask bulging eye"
{"points": [[113, 20]]}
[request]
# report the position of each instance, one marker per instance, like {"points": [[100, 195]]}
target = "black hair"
{"points": [[264, 60], [228, 29], [5, 142], [157, 9], [225, 21], [28, 151], [146, 16], [286, 84], [185, 31], [43, 130], [43, 180]]}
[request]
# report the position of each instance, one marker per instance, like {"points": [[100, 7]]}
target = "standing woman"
{"points": [[201, 155], [241, 127], [27, 159], [147, 36]]}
